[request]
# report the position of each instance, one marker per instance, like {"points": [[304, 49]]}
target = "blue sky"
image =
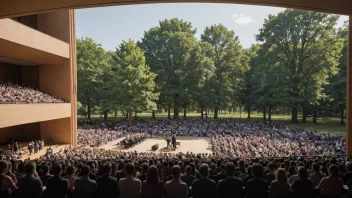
{"points": [[110, 25]]}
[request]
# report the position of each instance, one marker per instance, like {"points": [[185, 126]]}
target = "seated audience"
{"points": [[107, 186], [279, 188], [14, 93], [204, 187], [302, 187], [331, 186], [6, 182], [176, 188], [316, 176], [231, 185], [130, 187], [257, 187], [57, 186], [29, 185], [152, 187], [85, 187]]}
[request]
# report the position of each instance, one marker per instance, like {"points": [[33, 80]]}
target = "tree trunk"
{"points": [[315, 115], [135, 113], [130, 118], [153, 115], [225, 111], [342, 116], [216, 113], [88, 111], [304, 116], [201, 113], [168, 112], [269, 118], [105, 115], [294, 115], [115, 113], [249, 112], [127, 114], [264, 113], [184, 112]]}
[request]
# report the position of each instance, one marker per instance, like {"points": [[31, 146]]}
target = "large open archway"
{"points": [[15, 8]]}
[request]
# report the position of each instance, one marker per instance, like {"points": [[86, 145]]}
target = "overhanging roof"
{"points": [[12, 8]]}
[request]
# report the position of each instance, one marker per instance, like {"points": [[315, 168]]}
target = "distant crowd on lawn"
{"points": [[229, 138], [97, 173], [18, 94]]}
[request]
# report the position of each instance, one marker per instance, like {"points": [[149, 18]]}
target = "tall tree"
{"points": [[132, 84], [174, 54], [306, 46], [336, 90], [91, 63], [230, 64]]}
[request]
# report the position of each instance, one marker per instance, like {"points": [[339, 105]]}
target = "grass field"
{"points": [[324, 125]]}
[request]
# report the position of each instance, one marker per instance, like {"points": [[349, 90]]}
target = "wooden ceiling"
{"points": [[13, 8]]}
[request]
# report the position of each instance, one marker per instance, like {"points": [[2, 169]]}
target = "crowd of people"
{"points": [[112, 174], [15, 94], [229, 138], [97, 137]]}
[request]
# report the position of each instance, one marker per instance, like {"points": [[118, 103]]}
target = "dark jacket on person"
{"points": [[107, 187], [257, 188], [188, 179], [85, 188], [302, 188], [204, 188], [29, 187], [229, 187], [56, 187]]}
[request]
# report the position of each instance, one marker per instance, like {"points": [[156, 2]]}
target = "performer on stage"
{"points": [[173, 139]]}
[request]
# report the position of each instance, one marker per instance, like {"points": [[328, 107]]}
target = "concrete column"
{"points": [[349, 94]]}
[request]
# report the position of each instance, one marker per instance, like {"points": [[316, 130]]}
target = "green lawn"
{"points": [[325, 125]]}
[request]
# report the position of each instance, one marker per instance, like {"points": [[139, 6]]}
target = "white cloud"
{"points": [[242, 19]]}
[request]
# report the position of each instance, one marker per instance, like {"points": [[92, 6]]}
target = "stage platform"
{"points": [[188, 144]]}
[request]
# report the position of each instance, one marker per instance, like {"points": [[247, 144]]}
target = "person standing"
{"points": [[130, 187], [231, 185], [152, 187], [107, 186], [257, 187], [56, 187], [279, 187], [331, 186], [85, 187], [30, 148], [302, 187], [176, 188], [29, 186], [173, 139], [204, 187], [6, 181]]}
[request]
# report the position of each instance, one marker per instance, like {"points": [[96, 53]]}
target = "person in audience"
{"points": [[331, 186], [249, 176], [242, 170], [10, 173], [46, 175], [231, 185], [302, 187], [269, 177], [57, 186], [107, 186], [279, 188], [152, 187], [316, 176], [85, 187], [176, 188], [6, 182], [143, 175], [204, 187], [257, 187], [130, 187], [29, 185], [71, 178], [347, 178], [187, 177]]}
